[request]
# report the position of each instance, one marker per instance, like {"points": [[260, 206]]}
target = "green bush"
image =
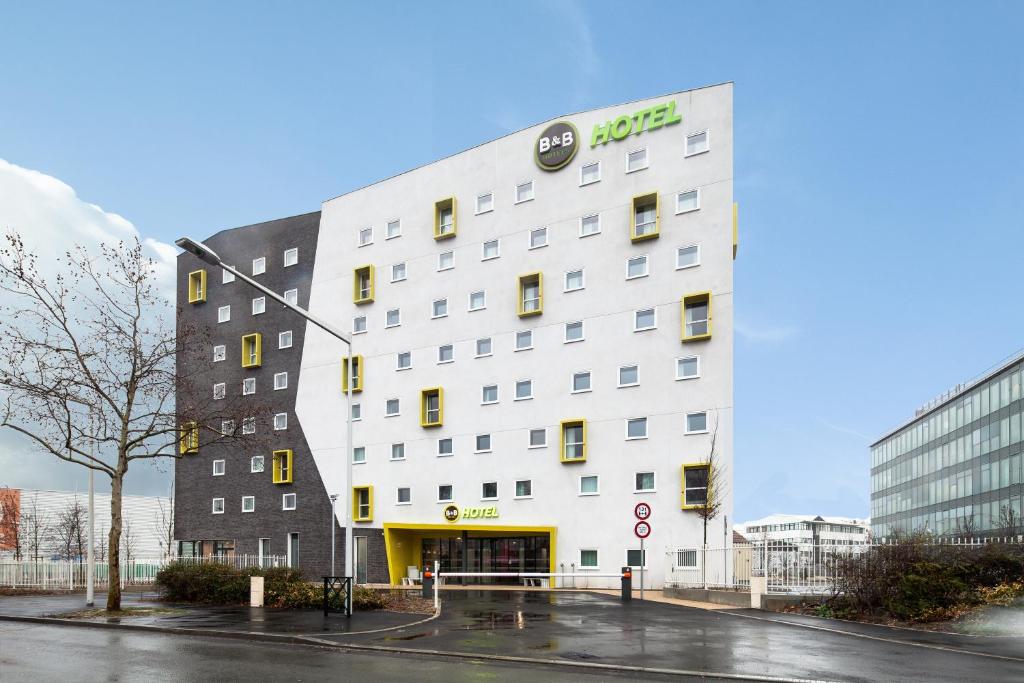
{"points": [[368, 599], [928, 588]]}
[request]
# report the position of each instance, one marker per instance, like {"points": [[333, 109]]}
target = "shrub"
{"points": [[368, 599]]}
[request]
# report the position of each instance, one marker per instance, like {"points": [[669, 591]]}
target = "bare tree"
{"points": [[36, 528], [165, 524], [88, 369], [966, 528], [129, 541], [100, 548], [10, 521], [69, 532], [1008, 521], [712, 478]]}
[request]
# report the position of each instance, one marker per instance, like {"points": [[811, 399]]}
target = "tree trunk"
{"points": [[114, 543]]}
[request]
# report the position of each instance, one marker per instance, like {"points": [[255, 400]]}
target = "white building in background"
{"points": [[806, 530]]}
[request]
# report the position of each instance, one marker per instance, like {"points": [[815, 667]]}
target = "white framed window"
{"points": [[359, 324], [484, 203], [489, 394], [227, 427], [403, 496], [538, 438], [636, 558], [393, 318], [358, 455], [590, 173], [697, 423], [524, 340], [392, 407], [398, 272], [643, 482], [256, 464], [280, 381], [636, 267], [580, 382], [393, 229], [688, 257], [220, 352], [636, 160], [489, 490], [588, 558], [398, 451], [357, 412], [477, 301], [445, 353], [248, 386], [226, 277], [688, 367], [219, 391], [524, 389], [439, 308], [223, 314], [280, 421], [636, 428], [524, 488], [524, 192], [697, 143], [629, 375], [483, 347], [573, 280], [218, 506], [445, 493], [284, 339], [248, 503], [259, 305], [491, 250], [288, 501], [446, 260], [259, 265], [574, 331], [291, 256], [248, 425], [483, 443], [445, 447], [404, 360], [645, 319], [538, 238], [218, 468], [590, 225], [687, 200], [365, 236], [589, 485]]}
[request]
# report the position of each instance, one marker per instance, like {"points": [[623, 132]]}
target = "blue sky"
{"points": [[878, 166]]}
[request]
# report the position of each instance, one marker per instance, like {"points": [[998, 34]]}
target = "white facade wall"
{"points": [[606, 305]]}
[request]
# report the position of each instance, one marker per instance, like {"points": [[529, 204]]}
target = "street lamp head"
{"points": [[334, 497], [199, 250]]}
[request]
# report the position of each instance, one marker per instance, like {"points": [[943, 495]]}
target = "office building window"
{"points": [[629, 375], [445, 493], [248, 503], [392, 407], [636, 428], [218, 468], [394, 229], [226, 277], [531, 294], [538, 238], [697, 143], [259, 305], [636, 558], [281, 466], [688, 368], [291, 257], [393, 318], [483, 347], [256, 464], [288, 501], [696, 316], [489, 490], [590, 173], [589, 485], [248, 425], [284, 339], [644, 482], [219, 390], [646, 223], [280, 421], [644, 319], [687, 200], [432, 407], [248, 386], [398, 272], [444, 219], [223, 314], [292, 296], [227, 427], [218, 506], [524, 192], [588, 559], [590, 225], [573, 280], [398, 451], [280, 381], [446, 260], [359, 324], [695, 485], [483, 443], [197, 287], [484, 203], [524, 389], [358, 454], [636, 267], [259, 265], [696, 423], [404, 360], [363, 284], [524, 488], [538, 438], [365, 236], [477, 301], [404, 496], [574, 441], [357, 412], [439, 308], [574, 331], [489, 394], [491, 249], [688, 257], [524, 340], [445, 447], [445, 353], [219, 353], [580, 382], [636, 160]]}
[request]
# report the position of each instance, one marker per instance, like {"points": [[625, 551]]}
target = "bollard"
{"points": [[627, 584], [428, 584]]}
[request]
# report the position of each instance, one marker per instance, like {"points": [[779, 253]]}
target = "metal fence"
{"points": [[71, 574]]}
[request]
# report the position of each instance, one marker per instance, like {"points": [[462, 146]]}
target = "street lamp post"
{"points": [[207, 255], [334, 499]]}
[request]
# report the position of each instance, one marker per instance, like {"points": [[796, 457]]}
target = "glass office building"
{"points": [[955, 468]]}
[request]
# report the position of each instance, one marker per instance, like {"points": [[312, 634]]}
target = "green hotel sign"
{"points": [[646, 119]]}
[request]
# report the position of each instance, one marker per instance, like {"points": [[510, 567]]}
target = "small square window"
{"points": [[226, 277], [394, 229], [636, 428], [446, 260], [590, 225], [248, 425], [259, 305], [489, 490], [524, 340], [218, 468], [574, 280], [398, 272], [696, 423], [256, 464], [483, 347], [589, 485], [365, 236], [484, 203], [687, 200], [445, 447], [227, 427], [524, 389], [218, 506], [636, 267], [688, 368], [588, 559], [483, 443], [538, 238], [629, 375], [404, 360], [489, 394], [445, 493], [524, 192], [288, 501], [491, 249], [291, 257], [644, 482], [580, 382], [688, 257], [697, 143], [357, 412], [524, 488], [394, 318], [538, 438], [590, 173], [636, 160], [445, 353], [398, 451], [281, 421], [439, 308], [644, 319], [284, 339], [477, 301], [358, 455], [636, 558], [392, 407], [223, 314], [219, 353], [259, 265], [574, 331], [248, 386], [248, 503], [280, 381], [404, 496], [219, 391], [359, 324]]}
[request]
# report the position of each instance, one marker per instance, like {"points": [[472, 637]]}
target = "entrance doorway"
{"points": [[470, 553]]}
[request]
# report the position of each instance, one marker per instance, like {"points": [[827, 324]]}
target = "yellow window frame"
{"points": [[424, 395], [695, 298], [682, 484], [527, 279], [368, 517], [252, 350], [439, 206], [281, 465], [360, 371], [575, 422], [188, 440], [357, 273], [644, 200], [197, 287]]}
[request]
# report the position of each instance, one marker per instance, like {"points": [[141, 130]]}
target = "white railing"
{"points": [[71, 574]]}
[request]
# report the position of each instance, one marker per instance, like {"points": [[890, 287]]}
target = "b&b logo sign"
{"points": [[556, 146]]}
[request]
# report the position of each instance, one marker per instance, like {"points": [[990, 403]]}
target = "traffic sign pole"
{"points": [[642, 530]]}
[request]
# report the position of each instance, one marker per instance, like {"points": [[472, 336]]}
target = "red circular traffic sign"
{"points": [[642, 529], [642, 511]]}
